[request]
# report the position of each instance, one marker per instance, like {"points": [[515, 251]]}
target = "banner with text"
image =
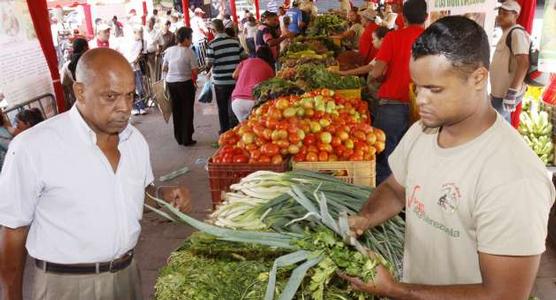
{"points": [[24, 72], [547, 58], [481, 11]]}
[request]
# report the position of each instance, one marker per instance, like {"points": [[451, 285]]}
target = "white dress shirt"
{"points": [[152, 38], [57, 181], [180, 62]]}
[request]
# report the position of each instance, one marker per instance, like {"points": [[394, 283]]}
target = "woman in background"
{"points": [[248, 74], [180, 66]]}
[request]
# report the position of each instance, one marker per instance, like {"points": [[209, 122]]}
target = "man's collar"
{"points": [[85, 131]]}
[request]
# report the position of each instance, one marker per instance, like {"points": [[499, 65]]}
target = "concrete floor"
{"points": [[160, 238]]}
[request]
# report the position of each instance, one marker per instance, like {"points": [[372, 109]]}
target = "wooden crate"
{"points": [[354, 172], [221, 176], [351, 93]]}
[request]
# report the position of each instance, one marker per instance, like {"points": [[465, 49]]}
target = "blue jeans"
{"points": [[497, 103], [393, 119], [139, 102]]}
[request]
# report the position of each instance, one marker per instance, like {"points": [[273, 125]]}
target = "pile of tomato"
{"points": [[317, 126]]}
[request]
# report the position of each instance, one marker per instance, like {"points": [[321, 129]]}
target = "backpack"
{"points": [[534, 77]]}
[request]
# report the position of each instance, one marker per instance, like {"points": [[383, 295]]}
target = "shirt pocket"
{"points": [[134, 193]]}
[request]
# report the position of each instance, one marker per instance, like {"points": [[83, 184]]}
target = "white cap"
{"points": [[511, 5], [103, 27]]}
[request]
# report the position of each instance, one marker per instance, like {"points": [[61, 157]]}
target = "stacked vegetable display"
{"points": [[298, 259], [536, 128], [317, 126]]}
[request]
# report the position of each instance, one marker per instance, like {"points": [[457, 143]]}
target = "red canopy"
{"points": [[62, 3], [38, 10]]}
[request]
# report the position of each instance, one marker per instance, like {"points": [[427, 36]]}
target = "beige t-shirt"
{"points": [[491, 195], [500, 78]]}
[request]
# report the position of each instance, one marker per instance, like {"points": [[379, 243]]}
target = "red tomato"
{"points": [[294, 138], [299, 157], [312, 156], [282, 125], [332, 157], [312, 148], [228, 158], [267, 134], [251, 147], [255, 154], [258, 130], [325, 148], [323, 156], [226, 149], [271, 123], [275, 114], [264, 159], [270, 149], [342, 135], [310, 139], [277, 159], [292, 128], [336, 141], [360, 135], [282, 143], [240, 159]]}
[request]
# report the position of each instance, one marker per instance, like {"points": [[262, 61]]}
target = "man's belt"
{"points": [[96, 268]]}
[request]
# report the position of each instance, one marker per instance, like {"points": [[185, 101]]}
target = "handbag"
{"points": [[162, 99]]}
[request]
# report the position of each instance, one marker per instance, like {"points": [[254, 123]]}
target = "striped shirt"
{"points": [[224, 53]]}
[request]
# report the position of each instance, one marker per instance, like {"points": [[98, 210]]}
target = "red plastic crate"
{"points": [[221, 176]]}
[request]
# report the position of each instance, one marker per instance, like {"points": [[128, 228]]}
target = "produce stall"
{"points": [[280, 236], [283, 183]]}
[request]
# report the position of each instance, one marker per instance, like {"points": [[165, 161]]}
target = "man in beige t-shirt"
{"points": [[477, 199], [509, 66]]}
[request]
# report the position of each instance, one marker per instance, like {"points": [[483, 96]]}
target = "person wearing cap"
{"points": [[102, 40], [200, 30], [224, 54], [509, 64], [269, 34], [476, 198], [366, 49]]}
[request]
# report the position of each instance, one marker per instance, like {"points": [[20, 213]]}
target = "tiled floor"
{"points": [[160, 238]]}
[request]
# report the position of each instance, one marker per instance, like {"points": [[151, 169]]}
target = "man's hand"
{"points": [[358, 224], [510, 100], [383, 284], [178, 197]]}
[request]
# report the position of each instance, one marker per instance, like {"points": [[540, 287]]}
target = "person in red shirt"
{"points": [[392, 113], [366, 49]]}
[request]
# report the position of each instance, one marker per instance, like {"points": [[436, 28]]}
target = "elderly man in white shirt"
{"points": [[73, 190], [151, 34]]}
